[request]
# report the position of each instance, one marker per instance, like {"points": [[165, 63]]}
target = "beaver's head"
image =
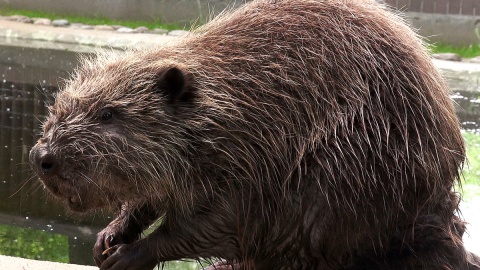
{"points": [[113, 134]]}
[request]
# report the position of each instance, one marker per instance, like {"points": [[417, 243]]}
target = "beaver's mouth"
{"points": [[77, 198], [74, 203]]}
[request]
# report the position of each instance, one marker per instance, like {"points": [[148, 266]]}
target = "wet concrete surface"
{"points": [[14, 263], [76, 39]]}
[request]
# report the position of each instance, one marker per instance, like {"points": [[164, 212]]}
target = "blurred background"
{"points": [[40, 42]]}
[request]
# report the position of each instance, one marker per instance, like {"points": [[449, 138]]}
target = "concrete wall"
{"points": [[453, 7], [454, 22], [459, 30], [169, 11]]}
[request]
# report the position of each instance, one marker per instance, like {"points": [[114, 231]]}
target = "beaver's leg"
{"points": [[124, 229], [204, 234]]}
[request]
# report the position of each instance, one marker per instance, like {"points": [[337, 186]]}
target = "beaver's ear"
{"points": [[175, 83]]}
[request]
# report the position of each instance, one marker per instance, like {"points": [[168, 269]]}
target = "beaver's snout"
{"points": [[45, 163]]}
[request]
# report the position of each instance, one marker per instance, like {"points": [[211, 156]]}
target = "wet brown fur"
{"points": [[306, 135]]}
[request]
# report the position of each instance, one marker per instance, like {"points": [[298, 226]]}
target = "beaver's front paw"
{"points": [[106, 239], [132, 257]]}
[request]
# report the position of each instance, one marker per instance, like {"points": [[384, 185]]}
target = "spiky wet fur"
{"points": [[319, 135]]}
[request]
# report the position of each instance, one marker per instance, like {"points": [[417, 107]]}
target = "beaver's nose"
{"points": [[44, 161]]}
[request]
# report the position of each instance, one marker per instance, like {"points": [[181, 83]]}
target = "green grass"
{"points": [[33, 244], [465, 52], [88, 20], [471, 171]]}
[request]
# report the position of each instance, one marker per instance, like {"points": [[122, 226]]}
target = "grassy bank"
{"points": [[33, 244], [465, 52], [471, 171], [88, 20]]}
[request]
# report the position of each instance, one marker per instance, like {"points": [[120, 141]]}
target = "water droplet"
{"points": [[9, 68], [26, 217]]}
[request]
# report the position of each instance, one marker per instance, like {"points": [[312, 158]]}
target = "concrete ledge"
{"points": [[457, 66], [81, 38], [13, 263]]}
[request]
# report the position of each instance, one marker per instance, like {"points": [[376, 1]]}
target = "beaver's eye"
{"points": [[106, 116]]}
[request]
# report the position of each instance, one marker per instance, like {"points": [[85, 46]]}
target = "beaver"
{"points": [[287, 134]]}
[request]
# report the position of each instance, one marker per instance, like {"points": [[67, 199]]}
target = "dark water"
{"points": [[28, 77], [467, 106]]}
